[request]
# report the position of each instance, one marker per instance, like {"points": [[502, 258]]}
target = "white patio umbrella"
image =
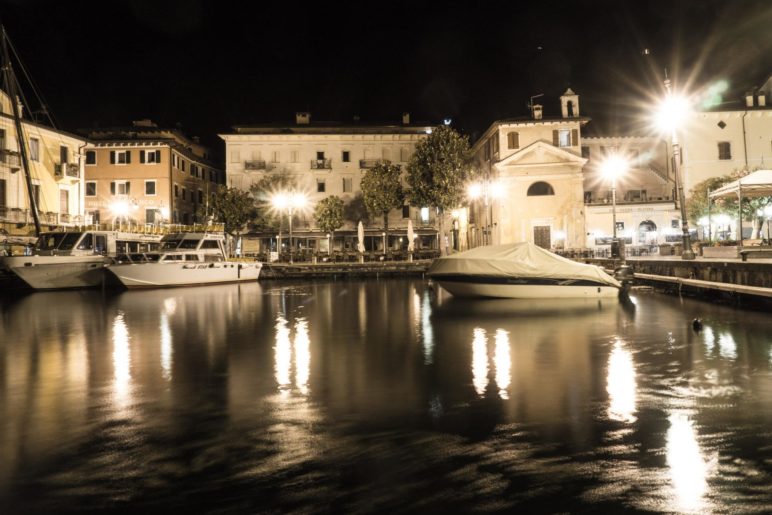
{"points": [[410, 236], [361, 237]]}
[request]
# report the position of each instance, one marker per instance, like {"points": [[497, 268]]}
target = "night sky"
{"points": [[209, 65]]}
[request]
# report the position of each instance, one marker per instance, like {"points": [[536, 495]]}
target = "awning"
{"points": [[756, 184]]}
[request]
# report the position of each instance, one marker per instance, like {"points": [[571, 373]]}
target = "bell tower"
{"points": [[569, 104]]}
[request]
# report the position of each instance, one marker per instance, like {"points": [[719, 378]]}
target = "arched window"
{"points": [[538, 189]]}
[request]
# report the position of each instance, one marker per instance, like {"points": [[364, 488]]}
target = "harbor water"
{"points": [[380, 396]]}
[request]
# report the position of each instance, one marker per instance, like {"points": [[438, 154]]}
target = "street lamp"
{"points": [[614, 166], [290, 201], [487, 190], [671, 113]]}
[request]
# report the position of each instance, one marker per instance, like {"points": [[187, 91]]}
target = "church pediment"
{"points": [[541, 153]]}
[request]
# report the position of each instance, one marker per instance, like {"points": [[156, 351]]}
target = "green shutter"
{"points": [[112, 184], [574, 137], [142, 156], [555, 138], [128, 188], [157, 156], [128, 156], [112, 162]]}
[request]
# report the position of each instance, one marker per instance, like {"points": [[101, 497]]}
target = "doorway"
{"points": [[542, 237]]}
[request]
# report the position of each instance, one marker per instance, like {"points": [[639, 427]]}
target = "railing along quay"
{"points": [[344, 270]]}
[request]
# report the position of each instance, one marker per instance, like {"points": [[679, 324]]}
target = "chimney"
{"points": [[303, 118], [405, 118], [749, 99], [537, 111]]}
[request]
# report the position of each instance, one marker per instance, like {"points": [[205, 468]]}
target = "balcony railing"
{"points": [[599, 201], [9, 157], [258, 164], [321, 164], [370, 163], [67, 170]]}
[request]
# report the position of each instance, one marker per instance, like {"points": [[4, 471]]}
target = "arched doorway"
{"points": [[647, 233]]}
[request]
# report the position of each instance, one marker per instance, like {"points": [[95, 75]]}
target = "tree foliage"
{"points": [[233, 208], [329, 214], [355, 210], [382, 191], [439, 169]]}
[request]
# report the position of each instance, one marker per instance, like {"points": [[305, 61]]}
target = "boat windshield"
{"points": [[58, 240], [189, 244], [170, 244]]}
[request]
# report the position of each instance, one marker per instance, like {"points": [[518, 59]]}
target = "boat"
{"points": [[520, 271], [63, 260], [184, 259]]}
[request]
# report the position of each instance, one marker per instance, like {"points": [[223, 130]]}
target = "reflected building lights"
{"points": [[620, 384], [480, 360], [121, 360], [166, 348], [688, 471], [302, 355], [282, 353], [427, 333], [502, 360], [727, 346]]}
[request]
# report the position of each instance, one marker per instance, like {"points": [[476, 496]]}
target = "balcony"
{"points": [[67, 170], [253, 165], [321, 164], [370, 163], [9, 158]]}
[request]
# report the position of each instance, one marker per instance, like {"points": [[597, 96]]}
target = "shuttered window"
{"points": [[150, 156], [724, 150], [513, 140]]}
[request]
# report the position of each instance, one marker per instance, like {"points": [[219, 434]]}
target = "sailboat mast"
{"points": [[10, 80]]}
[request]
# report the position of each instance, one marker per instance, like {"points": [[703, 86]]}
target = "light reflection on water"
{"points": [[380, 396]]}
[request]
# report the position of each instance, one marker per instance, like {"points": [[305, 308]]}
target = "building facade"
{"points": [[56, 172], [324, 159], [144, 174], [533, 185]]}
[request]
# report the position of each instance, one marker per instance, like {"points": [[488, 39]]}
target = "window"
{"points": [[150, 187], [538, 189], [275, 156], [513, 140], [724, 150], [386, 154], [64, 154], [34, 149], [585, 151], [120, 188], [91, 188], [64, 201], [2, 138], [235, 155], [495, 142], [150, 215], [294, 156], [90, 157], [404, 154], [425, 214], [564, 138], [182, 165], [257, 155], [175, 161], [150, 156], [321, 187], [406, 211], [176, 192], [2, 193], [120, 157], [319, 156], [184, 194], [345, 157], [95, 219], [200, 197], [36, 194], [347, 185]]}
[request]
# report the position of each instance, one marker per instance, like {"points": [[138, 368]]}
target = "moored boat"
{"points": [[74, 259], [520, 271], [185, 259]]}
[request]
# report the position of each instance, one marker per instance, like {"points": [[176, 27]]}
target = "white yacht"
{"points": [[520, 271], [73, 259], [185, 259]]}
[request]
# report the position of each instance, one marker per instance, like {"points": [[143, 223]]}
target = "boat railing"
{"points": [[145, 229]]}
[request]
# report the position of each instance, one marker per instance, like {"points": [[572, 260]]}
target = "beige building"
{"points": [[144, 174], [646, 208], [533, 185], [327, 159], [56, 172]]}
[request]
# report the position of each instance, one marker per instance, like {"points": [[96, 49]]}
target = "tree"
{"points": [[355, 210], [382, 191], [438, 171], [232, 207], [329, 215]]}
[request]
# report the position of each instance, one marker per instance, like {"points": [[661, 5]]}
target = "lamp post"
{"points": [[672, 111], [289, 201], [614, 166], [486, 190]]}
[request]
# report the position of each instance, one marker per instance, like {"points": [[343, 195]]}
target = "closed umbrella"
{"points": [[410, 236], [361, 237]]}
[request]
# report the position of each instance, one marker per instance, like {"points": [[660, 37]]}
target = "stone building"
{"points": [[145, 174], [324, 159]]}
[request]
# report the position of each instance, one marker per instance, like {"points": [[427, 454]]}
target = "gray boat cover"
{"points": [[522, 260]]}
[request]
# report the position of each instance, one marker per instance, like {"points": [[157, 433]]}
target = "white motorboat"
{"points": [[520, 271], [185, 259], [73, 259]]}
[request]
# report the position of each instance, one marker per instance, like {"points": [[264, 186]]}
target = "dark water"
{"points": [[380, 397]]}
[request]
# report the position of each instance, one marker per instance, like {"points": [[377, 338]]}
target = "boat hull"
{"points": [[508, 288], [57, 272], [169, 275]]}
